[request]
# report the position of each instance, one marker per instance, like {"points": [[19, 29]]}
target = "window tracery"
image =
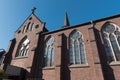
{"points": [[76, 48], [23, 48], [49, 53], [111, 38]]}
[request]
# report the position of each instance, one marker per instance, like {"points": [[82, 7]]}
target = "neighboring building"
{"points": [[2, 55], [88, 51]]}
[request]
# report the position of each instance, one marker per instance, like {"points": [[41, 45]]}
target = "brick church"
{"points": [[87, 51]]}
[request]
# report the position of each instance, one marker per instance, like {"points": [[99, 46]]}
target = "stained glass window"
{"points": [[111, 38], [23, 48], [49, 53], [76, 48]]}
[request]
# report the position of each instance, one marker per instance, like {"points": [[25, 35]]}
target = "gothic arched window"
{"points": [[28, 26], [24, 29], [32, 26], [23, 48], [49, 53], [111, 38], [76, 48]]}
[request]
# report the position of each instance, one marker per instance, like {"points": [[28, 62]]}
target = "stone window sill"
{"points": [[21, 57], [117, 63], [49, 68], [79, 66]]}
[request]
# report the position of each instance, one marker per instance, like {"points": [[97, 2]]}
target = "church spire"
{"points": [[66, 21]]}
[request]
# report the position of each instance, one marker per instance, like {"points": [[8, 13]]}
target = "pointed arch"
{"points": [[24, 29], [28, 26], [32, 26], [111, 37], [23, 47], [49, 52], [76, 48]]}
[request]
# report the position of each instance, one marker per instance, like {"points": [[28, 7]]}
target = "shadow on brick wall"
{"points": [[8, 56], [65, 72], [36, 69], [106, 69]]}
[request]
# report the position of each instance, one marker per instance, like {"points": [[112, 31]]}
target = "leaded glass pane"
{"points": [[117, 33], [108, 50], [21, 54], [80, 40], [115, 47], [110, 28], [112, 41], [49, 53], [49, 56], [25, 52], [82, 54], [71, 55], [77, 54], [118, 40], [52, 51], [77, 60], [23, 48], [105, 35], [75, 35]]}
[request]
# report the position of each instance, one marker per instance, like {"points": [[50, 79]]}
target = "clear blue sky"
{"points": [[14, 12]]}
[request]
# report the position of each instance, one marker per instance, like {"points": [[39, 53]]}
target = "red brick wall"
{"points": [[110, 71], [26, 62], [90, 71], [96, 68]]}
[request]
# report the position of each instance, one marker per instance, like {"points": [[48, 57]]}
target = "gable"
{"points": [[31, 21]]}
